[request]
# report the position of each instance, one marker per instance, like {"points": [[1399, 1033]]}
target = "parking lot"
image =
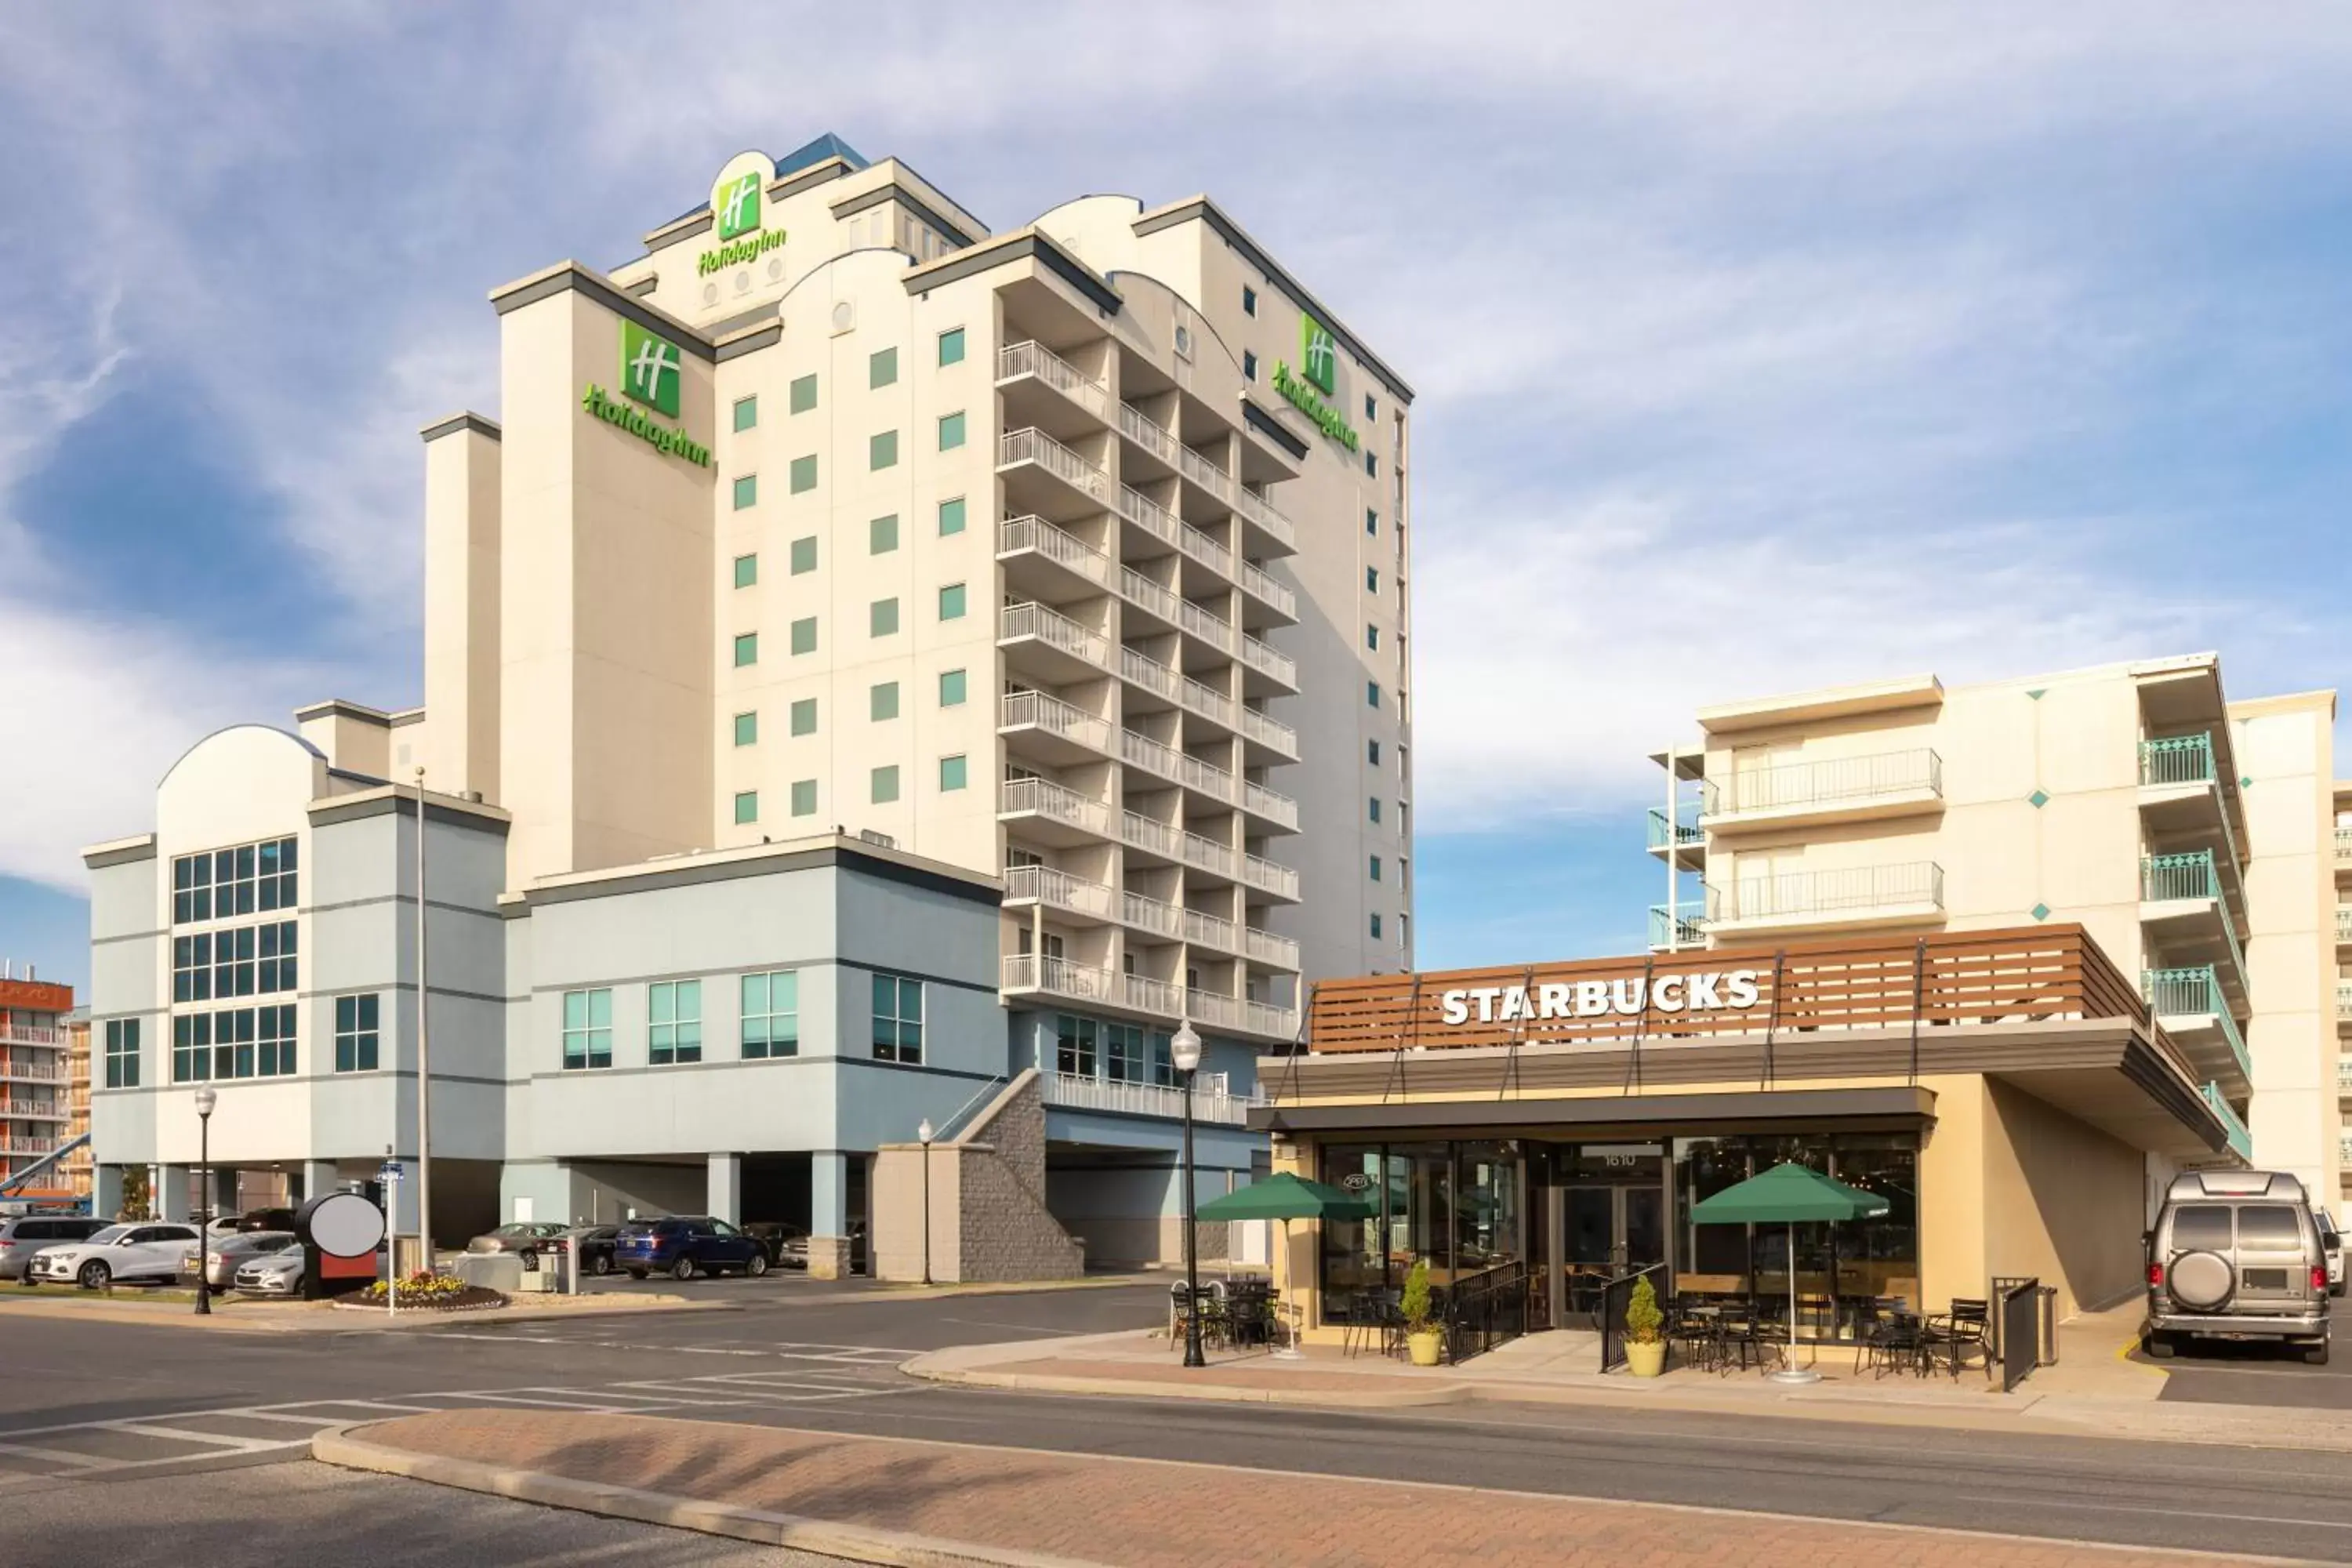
{"points": [[2252, 1372]]}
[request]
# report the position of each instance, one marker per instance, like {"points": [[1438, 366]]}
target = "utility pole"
{"points": [[423, 1056]]}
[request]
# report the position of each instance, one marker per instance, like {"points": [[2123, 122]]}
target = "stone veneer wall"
{"points": [[989, 1219]]}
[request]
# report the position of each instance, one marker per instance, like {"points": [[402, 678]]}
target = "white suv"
{"points": [[118, 1252]]}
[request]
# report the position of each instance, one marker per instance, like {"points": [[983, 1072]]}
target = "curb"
{"points": [[826, 1538], [1225, 1394]]}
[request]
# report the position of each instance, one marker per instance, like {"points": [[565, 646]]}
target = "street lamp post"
{"points": [[205, 1101], [923, 1136], [1184, 1051], [424, 1063]]}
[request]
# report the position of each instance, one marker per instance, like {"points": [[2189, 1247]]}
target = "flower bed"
{"points": [[429, 1293]]}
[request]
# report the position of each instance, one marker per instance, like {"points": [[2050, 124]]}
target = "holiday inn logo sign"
{"points": [[653, 371], [1317, 377], [735, 212]]}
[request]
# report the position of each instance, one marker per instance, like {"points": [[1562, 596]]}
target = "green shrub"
{"points": [[1415, 1305], [1643, 1321]]}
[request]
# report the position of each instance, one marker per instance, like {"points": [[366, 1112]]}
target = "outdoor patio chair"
{"points": [[1372, 1320], [1956, 1335], [1697, 1336], [1899, 1344]]}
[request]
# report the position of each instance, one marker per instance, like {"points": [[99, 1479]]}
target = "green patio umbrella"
{"points": [[1789, 1195], [1286, 1197]]}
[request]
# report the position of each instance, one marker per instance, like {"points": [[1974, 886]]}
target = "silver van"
{"points": [[2236, 1255]]}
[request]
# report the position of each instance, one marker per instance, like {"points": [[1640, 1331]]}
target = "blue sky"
{"points": [[1758, 345]]}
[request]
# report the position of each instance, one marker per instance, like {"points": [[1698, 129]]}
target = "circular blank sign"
{"points": [[343, 1224]]}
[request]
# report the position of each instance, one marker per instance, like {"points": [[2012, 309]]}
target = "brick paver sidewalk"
{"points": [[1154, 1514]]}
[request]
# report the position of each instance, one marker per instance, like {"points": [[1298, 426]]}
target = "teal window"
{"points": [[951, 517], [746, 806], [951, 431], [674, 1022], [804, 473], [746, 729], [804, 635], [1371, 693], [1372, 636], [1374, 814], [954, 772], [951, 346], [882, 617], [1373, 467], [882, 367], [805, 797], [897, 1019], [1249, 365], [747, 491], [747, 412], [1371, 579], [1371, 409], [882, 450], [804, 716], [951, 688], [951, 601], [747, 649], [747, 570], [1249, 301], [1376, 927], [122, 1052], [883, 700], [1376, 867], [882, 535], [1372, 522], [1372, 752], [885, 786], [803, 394], [803, 555], [588, 1028], [772, 1014]]}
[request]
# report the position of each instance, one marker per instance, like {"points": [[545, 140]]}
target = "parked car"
{"points": [[264, 1219], [2331, 1242], [684, 1245], [542, 1236], [118, 1252], [226, 1254], [278, 1273], [596, 1245], [2236, 1255], [22, 1236], [787, 1244]]}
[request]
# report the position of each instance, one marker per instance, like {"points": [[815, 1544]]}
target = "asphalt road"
{"points": [[2250, 1372], [149, 1402]]}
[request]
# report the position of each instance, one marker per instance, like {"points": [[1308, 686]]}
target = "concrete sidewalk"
{"points": [[873, 1499], [239, 1315]]}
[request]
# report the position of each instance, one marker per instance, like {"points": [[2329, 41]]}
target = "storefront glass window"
{"points": [[1868, 1257], [1355, 1257]]}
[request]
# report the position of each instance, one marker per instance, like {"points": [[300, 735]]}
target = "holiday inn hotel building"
{"points": [[875, 669]]}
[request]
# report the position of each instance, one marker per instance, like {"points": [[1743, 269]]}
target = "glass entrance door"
{"points": [[1609, 1231]]}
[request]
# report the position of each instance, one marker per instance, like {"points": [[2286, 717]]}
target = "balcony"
{"points": [[1058, 891], [1176, 846], [1266, 947], [2343, 924], [1834, 789], [1217, 1107], [1240, 1014], [1259, 513], [2186, 803], [19, 1071], [32, 1035], [1684, 842], [2184, 911], [1052, 814], [2343, 1075], [1153, 915], [1151, 438], [1028, 972], [2241, 1141], [32, 1110], [1910, 893], [1051, 729], [2195, 1011], [1175, 687], [2344, 1001], [1268, 877], [1272, 808], [1204, 779], [1035, 362], [1676, 928], [1141, 993], [1040, 558], [1042, 642], [1210, 930], [1282, 604], [1273, 735], [1074, 485], [2344, 847], [1270, 662]]}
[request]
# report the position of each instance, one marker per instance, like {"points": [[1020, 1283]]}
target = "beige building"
{"points": [[2187, 833]]}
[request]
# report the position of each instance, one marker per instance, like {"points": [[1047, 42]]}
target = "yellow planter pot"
{"points": [[1424, 1347], [1646, 1360]]}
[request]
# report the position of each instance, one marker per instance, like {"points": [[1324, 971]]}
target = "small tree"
{"points": [[1643, 1321], [1419, 1315], [134, 1193]]}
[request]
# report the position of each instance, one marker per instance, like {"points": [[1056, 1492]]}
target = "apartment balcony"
{"points": [[1074, 897], [2242, 1140], [1163, 843], [1910, 893], [1280, 533], [1272, 601], [1040, 384], [32, 1110], [1155, 917], [1240, 1014], [2343, 928], [1050, 813], [1046, 646], [1676, 928], [1176, 688], [1049, 563], [1264, 947], [2343, 1075], [1156, 607], [1279, 668], [1208, 785], [32, 1035], [1834, 789], [1202, 929], [1045, 729], [2196, 1012], [2185, 914], [2344, 1002], [17, 1070], [1267, 739], [1154, 449], [1031, 975], [2186, 803], [1159, 998], [1214, 1106], [2344, 849], [1044, 477], [1268, 877], [1684, 842], [1269, 810]]}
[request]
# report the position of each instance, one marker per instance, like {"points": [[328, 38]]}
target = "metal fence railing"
{"points": [[2177, 759], [2024, 1328], [1488, 1309]]}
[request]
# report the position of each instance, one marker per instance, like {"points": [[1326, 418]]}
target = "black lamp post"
{"points": [[205, 1100], [1184, 1051], [923, 1136]]}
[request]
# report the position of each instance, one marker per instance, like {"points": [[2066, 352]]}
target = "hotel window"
{"points": [[897, 1019], [1370, 409], [952, 600], [882, 368], [1371, 579], [1372, 636], [747, 648], [1373, 464], [1074, 1045], [1127, 1053], [1164, 1061], [273, 1045], [951, 688], [804, 716], [772, 1014], [275, 958], [803, 474], [951, 346], [192, 889], [233, 964], [1376, 925], [1376, 867], [953, 773], [746, 806], [803, 555], [1249, 301], [882, 535], [1371, 693], [192, 968], [747, 570], [747, 409], [1249, 365], [805, 797], [747, 491], [122, 1053], [746, 729], [803, 394], [804, 634], [882, 618], [276, 859], [1375, 803], [192, 1043], [885, 786], [1371, 522], [674, 1022], [951, 517], [951, 431], [882, 700], [1372, 752], [882, 450], [588, 1028]]}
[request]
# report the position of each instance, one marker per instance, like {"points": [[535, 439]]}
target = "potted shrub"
{"points": [[1646, 1331], [1424, 1336]]}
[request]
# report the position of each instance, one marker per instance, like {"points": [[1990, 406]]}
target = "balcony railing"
{"points": [[1048, 799], [1050, 626], [1258, 510], [2165, 878], [1676, 928], [1142, 833], [1031, 972], [1146, 994], [1063, 548], [1272, 805], [2344, 923], [1146, 434], [1033, 445], [1059, 888], [1147, 672], [1153, 915], [33, 1035], [2344, 846], [1662, 832], [1268, 1018], [2196, 991], [1269, 660], [1207, 854], [1177, 767], [1204, 473], [1269, 877], [1832, 781], [2343, 1075], [1148, 515], [29, 1145], [1075, 1093], [30, 1073], [1209, 702], [1214, 630], [2241, 1141], [2177, 759], [33, 1110], [1266, 947], [1853, 891], [1015, 360], [1254, 581], [1271, 732], [1037, 710], [1210, 930], [2344, 999]]}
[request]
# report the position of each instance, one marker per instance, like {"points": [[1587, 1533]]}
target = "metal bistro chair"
{"points": [[1698, 1334], [1375, 1321], [1961, 1333], [1899, 1342]]}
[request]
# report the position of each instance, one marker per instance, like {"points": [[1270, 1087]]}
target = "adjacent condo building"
{"points": [[877, 671], [36, 1102]]}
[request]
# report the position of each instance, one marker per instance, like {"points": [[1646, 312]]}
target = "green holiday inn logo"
{"points": [[735, 214], [737, 204], [651, 369], [1318, 356], [1318, 374]]}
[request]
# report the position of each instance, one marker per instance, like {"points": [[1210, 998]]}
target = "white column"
{"points": [[724, 1194]]}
